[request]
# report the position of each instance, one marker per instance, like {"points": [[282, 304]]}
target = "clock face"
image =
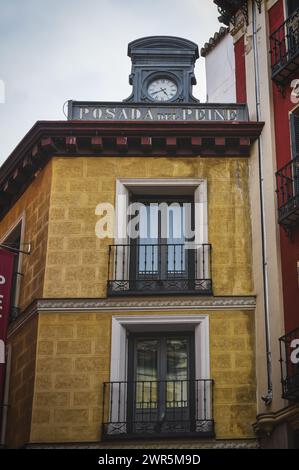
{"points": [[162, 89]]}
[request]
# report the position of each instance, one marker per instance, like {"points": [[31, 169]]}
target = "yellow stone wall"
{"points": [[74, 360], [21, 390], [67, 260], [34, 204], [77, 260]]}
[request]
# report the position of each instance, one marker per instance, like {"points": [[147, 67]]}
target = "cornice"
{"points": [[266, 422], [153, 444], [132, 305], [48, 139], [214, 303]]}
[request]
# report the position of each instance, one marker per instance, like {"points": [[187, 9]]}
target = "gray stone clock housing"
{"points": [[162, 61]]}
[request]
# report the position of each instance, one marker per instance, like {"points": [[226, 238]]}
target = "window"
{"points": [[292, 6], [159, 377], [164, 249], [160, 252], [294, 125], [294, 129], [161, 391]]}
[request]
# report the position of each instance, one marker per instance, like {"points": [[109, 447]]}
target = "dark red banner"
{"points": [[6, 276]]}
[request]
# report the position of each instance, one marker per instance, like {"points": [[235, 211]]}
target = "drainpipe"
{"points": [[267, 397], [5, 398]]}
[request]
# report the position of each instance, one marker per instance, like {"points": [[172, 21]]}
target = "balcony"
{"points": [[284, 43], [289, 360], [149, 269], [287, 180], [228, 9], [156, 409]]}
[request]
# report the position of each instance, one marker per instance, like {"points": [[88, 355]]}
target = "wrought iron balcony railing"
{"points": [[159, 269], [289, 360], [287, 179], [284, 43], [158, 408]]}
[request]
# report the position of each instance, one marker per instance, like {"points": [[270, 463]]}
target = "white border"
{"points": [[119, 354], [121, 209]]}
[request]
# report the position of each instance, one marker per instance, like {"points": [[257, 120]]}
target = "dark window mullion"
{"points": [[294, 121], [294, 128], [162, 375]]}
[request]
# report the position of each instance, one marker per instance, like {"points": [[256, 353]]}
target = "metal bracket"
{"points": [[11, 247], [281, 89], [289, 232]]}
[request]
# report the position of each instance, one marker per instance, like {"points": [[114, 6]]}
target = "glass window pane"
{"points": [[146, 373], [177, 373], [176, 224], [148, 249]]}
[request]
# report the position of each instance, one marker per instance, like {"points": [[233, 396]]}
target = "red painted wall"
{"points": [[240, 71], [289, 248]]}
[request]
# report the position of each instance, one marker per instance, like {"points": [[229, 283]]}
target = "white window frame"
{"points": [[119, 344], [123, 186], [121, 325]]}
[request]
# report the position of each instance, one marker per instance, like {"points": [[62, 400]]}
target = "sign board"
{"points": [[6, 276], [97, 111]]}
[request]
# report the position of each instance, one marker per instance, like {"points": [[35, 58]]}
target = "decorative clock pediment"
{"points": [[162, 70]]}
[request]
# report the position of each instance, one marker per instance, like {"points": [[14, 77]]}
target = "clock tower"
{"points": [[162, 70]]}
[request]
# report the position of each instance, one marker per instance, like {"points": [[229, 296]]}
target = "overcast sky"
{"points": [[55, 50]]}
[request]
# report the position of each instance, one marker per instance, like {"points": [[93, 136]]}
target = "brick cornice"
{"points": [[101, 138]]}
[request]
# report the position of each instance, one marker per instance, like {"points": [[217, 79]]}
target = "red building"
{"points": [[284, 46], [265, 36]]}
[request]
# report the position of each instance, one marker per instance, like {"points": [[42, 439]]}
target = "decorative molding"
{"points": [[214, 303], [126, 305], [131, 305], [239, 26], [152, 444], [266, 422]]}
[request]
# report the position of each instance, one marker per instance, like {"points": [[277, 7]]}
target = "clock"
{"points": [[162, 89]]}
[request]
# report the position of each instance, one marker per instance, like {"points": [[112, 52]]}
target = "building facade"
{"points": [[266, 40], [221, 88], [133, 319]]}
